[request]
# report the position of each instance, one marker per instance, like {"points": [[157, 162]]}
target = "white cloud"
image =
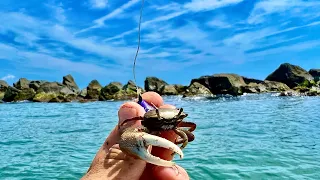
{"points": [[195, 5], [292, 8], [37, 28], [31, 60], [172, 6], [288, 48], [98, 4], [261, 38], [100, 22], [219, 22], [316, 23], [147, 24], [207, 5], [58, 12], [8, 77]]}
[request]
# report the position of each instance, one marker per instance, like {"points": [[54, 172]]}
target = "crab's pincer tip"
{"points": [[136, 144]]}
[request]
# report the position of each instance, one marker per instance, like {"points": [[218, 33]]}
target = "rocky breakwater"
{"points": [[231, 84], [287, 80], [117, 91], [163, 88], [42, 91], [300, 81]]}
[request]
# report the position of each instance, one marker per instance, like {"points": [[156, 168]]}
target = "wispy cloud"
{"points": [[58, 12], [100, 22], [98, 4], [100, 38], [219, 22], [264, 9], [8, 77], [207, 5], [195, 5]]}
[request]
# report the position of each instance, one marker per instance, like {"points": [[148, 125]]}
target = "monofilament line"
{"points": [[135, 58]]}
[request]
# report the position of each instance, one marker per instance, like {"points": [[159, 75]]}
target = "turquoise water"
{"points": [[250, 137]]}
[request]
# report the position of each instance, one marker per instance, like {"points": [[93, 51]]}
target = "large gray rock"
{"points": [[289, 74], [83, 93], [69, 81], [22, 83], [25, 94], [197, 89], [3, 84], [254, 88], [180, 88], [51, 87], [273, 86], [54, 92], [36, 84], [3, 88], [154, 84], [93, 90], [108, 92], [315, 73], [10, 94], [222, 83], [169, 90], [251, 80], [115, 91]]}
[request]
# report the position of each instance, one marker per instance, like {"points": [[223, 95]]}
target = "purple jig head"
{"points": [[146, 106]]}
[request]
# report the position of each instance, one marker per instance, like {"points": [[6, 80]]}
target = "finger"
{"points": [[130, 110], [164, 173], [127, 110], [152, 97], [117, 165], [167, 173], [164, 153]]}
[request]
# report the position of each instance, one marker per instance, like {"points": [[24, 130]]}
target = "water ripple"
{"points": [[248, 137]]}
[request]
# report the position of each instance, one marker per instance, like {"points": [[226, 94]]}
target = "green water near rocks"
{"points": [[250, 137]]}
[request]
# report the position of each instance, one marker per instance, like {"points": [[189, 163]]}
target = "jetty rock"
{"points": [[154, 84], [54, 92], [169, 90], [220, 84], [22, 83], [36, 84], [115, 91], [20, 91], [197, 89], [315, 73], [69, 81], [248, 80], [3, 87], [93, 90], [291, 75]]}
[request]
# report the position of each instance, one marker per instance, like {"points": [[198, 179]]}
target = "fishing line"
{"points": [[135, 58]]}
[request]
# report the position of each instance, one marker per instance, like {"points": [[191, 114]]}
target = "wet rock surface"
{"points": [[291, 75], [287, 80], [222, 83]]}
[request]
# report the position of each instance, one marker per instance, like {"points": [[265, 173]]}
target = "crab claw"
{"points": [[135, 143]]}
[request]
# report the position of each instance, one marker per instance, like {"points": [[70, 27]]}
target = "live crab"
{"points": [[135, 141]]}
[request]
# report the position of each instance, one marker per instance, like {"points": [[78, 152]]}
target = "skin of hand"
{"points": [[111, 163]]}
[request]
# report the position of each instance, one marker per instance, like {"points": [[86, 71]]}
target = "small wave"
{"points": [[18, 142], [73, 131]]}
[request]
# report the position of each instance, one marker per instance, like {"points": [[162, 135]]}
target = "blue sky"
{"points": [[181, 40]]}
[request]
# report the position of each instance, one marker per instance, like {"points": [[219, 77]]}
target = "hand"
{"points": [[111, 163]]}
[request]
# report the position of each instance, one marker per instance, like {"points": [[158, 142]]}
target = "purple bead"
{"points": [[147, 107]]}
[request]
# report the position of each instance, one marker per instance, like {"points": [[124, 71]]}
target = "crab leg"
{"points": [[192, 126], [135, 143], [184, 137]]}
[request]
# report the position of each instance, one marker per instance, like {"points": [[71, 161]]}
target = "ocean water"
{"points": [[248, 137]]}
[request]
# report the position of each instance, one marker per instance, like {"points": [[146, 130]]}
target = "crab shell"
{"points": [[163, 119]]}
